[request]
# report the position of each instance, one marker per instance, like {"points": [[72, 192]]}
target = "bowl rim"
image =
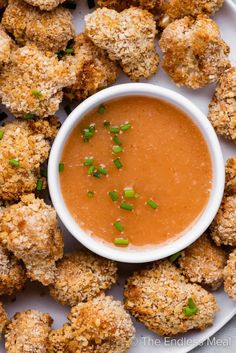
{"points": [[140, 255]]}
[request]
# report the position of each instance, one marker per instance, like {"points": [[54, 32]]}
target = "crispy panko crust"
{"points": [[48, 30], [157, 296], [223, 227], [194, 54], [128, 37], [98, 326], [230, 176], [30, 230], [230, 276], [26, 142], [12, 273], [94, 69], [6, 46], [3, 318], [29, 71], [81, 276], [203, 262], [27, 332], [120, 5], [222, 109], [46, 5]]}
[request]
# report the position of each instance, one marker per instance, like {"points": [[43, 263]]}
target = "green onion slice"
{"points": [[90, 194], [121, 241], [14, 162], [117, 149], [96, 174], [118, 225], [91, 170], [118, 163], [152, 204], [191, 309], [175, 256], [61, 167], [117, 140], [125, 127], [88, 132], [1, 134], [113, 195], [39, 186], [130, 193], [127, 206], [36, 93], [101, 109], [102, 170], [29, 116], [88, 161], [114, 129], [106, 124]]}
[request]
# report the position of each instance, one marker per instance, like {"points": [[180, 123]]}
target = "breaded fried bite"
{"points": [[223, 227], [100, 325], [24, 146], [81, 276], [12, 273], [6, 46], [194, 55], [230, 176], [27, 332], [163, 300], [3, 318], [203, 262], [46, 5], [94, 69], [48, 30], [31, 84], [222, 109], [128, 37], [30, 230], [230, 276]]}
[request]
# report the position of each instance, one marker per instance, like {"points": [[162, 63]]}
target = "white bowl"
{"points": [[155, 252]]}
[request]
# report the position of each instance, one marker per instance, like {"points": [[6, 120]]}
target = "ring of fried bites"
{"points": [[48, 30], [157, 298], [46, 5], [230, 276], [81, 276], [31, 84], [28, 332], [3, 318], [24, 146], [94, 69], [230, 176], [203, 262], [100, 325], [222, 109], [30, 230], [223, 228], [128, 37], [194, 54]]}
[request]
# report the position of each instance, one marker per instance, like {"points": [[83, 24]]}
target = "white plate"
{"points": [[36, 296]]}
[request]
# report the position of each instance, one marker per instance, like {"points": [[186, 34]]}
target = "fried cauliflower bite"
{"points": [[12, 273], [24, 146], [222, 109], [230, 276], [81, 276], [46, 5], [32, 82], [194, 54], [98, 326], [6, 46], [118, 5], [94, 69], [158, 296], [27, 332], [3, 318], [203, 262], [48, 30], [223, 227], [30, 230], [128, 37], [230, 176]]}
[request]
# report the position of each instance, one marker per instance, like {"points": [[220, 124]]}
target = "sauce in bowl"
{"points": [[136, 171]]}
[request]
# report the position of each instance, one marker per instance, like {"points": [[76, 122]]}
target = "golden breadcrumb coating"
{"points": [[157, 296], [98, 326], [223, 227], [3, 318], [94, 69], [32, 82], [203, 262], [47, 5], [194, 54], [12, 273], [30, 230], [27, 332], [6, 46], [222, 109], [81, 276], [24, 143], [230, 276], [48, 30], [128, 37], [230, 176]]}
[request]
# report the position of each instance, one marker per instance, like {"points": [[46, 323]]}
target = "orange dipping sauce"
{"points": [[164, 159]]}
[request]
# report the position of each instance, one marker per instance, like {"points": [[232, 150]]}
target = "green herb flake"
{"points": [[117, 141], [113, 195], [175, 256], [114, 129], [101, 109], [88, 161], [103, 170], [118, 163], [1, 134], [125, 127], [90, 194], [106, 124], [130, 193], [29, 116], [91, 170], [118, 225], [39, 185], [36, 93], [152, 204], [61, 167], [117, 149], [127, 206], [14, 162], [191, 309], [121, 241]]}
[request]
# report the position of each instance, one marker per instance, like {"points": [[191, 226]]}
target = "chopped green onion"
{"points": [[102, 170], [88, 132], [152, 204], [113, 195], [39, 186], [90, 194], [117, 149], [191, 309], [88, 161], [114, 129], [1, 134], [117, 140], [118, 163], [121, 241], [97, 174], [125, 126], [175, 256], [36, 93], [91, 170], [69, 51], [67, 109], [61, 167], [130, 193], [29, 116], [127, 206], [118, 226], [14, 162], [101, 109], [106, 124]]}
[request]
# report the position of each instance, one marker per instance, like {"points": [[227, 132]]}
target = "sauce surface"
{"points": [[165, 158]]}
